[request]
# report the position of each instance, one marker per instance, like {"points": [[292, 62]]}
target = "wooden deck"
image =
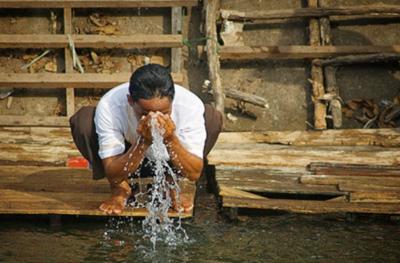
{"points": [[310, 172], [38, 190]]}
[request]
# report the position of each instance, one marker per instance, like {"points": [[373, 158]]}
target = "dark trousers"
{"points": [[85, 137]]}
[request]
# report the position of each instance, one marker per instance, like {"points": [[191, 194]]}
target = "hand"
{"points": [[165, 122], [144, 129]]}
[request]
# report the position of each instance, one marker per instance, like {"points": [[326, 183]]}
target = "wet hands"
{"points": [[164, 122]]}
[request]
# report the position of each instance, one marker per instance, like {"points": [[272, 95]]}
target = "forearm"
{"points": [[119, 167], [189, 164]]}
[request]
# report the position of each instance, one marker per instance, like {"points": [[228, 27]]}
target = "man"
{"points": [[115, 137]]}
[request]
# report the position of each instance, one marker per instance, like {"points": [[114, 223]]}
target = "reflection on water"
{"points": [[255, 238]]}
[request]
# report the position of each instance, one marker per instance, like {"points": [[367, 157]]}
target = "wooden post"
{"points": [[70, 94], [317, 74], [176, 53], [212, 54]]}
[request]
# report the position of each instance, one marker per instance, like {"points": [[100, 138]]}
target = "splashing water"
{"points": [[157, 226]]}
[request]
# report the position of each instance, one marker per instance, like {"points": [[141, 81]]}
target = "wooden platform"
{"points": [[38, 190], [310, 172], [34, 178]]}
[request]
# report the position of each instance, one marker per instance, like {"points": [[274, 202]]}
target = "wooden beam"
{"points": [[47, 121], [246, 97], [301, 206], [347, 137], [311, 11], [90, 41], [94, 3], [53, 136], [60, 80], [69, 68], [212, 54], [355, 59], [176, 53], [317, 76], [300, 52], [248, 155], [355, 169], [375, 197], [338, 179]]}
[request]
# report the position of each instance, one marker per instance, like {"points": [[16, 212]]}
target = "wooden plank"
{"points": [[246, 97], [375, 197], [37, 135], [90, 41], [358, 187], [348, 137], [300, 52], [317, 76], [229, 191], [65, 80], [292, 156], [25, 120], [176, 53], [335, 180], [213, 49], [355, 169], [272, 186], [69, 92], [349, 60], [300, 206], [311, 11], [94, 3]]}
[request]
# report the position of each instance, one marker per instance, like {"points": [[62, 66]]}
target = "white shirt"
{"points": [[116, 121]]}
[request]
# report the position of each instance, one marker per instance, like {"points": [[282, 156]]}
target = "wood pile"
{"points": [[310, 171]]}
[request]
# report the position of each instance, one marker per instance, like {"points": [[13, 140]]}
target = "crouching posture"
{"points": [[115, 137]]}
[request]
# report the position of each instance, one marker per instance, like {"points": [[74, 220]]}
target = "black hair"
{"points": [[151, 81]]}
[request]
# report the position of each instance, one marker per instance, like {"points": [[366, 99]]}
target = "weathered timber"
{"points": [[60, 80], [213, 54], [36, 154], [348, 137], [354, 59], [375, 197], [25, 120], [48, 190], [176, 25], [246, 97], [337, 179], [90, 41], [229, 191], [300, 206], [335, 105], [317, 76], [50, 136], [311, 12], [358, 187], [300, 52], [293, 156], [355, 169], [69, 68], [272, 186], [94, 3]]}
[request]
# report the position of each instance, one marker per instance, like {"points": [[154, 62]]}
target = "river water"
{"points": [[268, 237]]}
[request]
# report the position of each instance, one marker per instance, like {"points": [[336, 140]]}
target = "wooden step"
{"points": [[48, 190], [66, 80], [95, 3], [90, 41], [299, 52]]}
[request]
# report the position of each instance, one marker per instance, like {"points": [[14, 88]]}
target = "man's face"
{"points": [[142, 107]]}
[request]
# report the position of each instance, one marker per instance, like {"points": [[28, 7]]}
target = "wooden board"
{"points": [[247, 155], [355, 169], [90, 41], [300, 52], [94, 3], [348, 137], [49, 190], [306, 206], [312, 11], [60, 80], [338, 179]]}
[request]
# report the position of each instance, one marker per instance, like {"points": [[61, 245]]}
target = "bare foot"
{"points": [[185, 202], [116, 203]]}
